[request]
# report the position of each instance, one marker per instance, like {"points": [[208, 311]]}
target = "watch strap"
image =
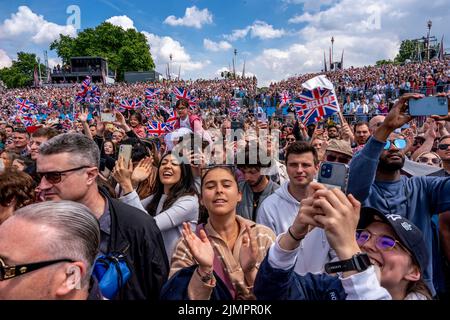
{"points": [[358, 262]]}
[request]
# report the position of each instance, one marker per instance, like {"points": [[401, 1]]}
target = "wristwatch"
{"points": [[207, 277], [358, 262]]}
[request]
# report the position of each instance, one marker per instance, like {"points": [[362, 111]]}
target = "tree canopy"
{"points": [[125, 50], [408, 50], [20, 74]]}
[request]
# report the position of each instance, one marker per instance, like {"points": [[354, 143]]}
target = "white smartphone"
{"points": [[107, 117], [125, 152]]}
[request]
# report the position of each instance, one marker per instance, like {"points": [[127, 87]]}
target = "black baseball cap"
{"points": [[406, 232]]}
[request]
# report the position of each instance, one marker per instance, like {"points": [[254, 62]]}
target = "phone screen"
{"points": [[107, 117], [125, 153], [428, 106]]}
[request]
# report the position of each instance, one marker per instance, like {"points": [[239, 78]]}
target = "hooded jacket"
{"points": [[145, 255], [278, 212]]}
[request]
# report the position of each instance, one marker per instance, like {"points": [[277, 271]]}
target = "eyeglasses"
{"points": [[382, 242], [55, 177], [9, 272], [333, 158], [398, 143], [426, 160], [443, 146]]}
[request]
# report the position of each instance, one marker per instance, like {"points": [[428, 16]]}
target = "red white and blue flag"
{"points": [[152, 93], [23, 105], [155, 128], [317, 101], [182, 93], [285, 98], [315, 105], [234, 108], [132, 104], [171, 121]]}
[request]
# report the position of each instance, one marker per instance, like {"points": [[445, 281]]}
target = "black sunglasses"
{"points": [[55, 177], [9, 272], [443, 146], [333, 158]]}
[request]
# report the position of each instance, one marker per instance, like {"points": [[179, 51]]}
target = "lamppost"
{"points": [[170, 66], [429, 24], [234, 62], [332, 53]]}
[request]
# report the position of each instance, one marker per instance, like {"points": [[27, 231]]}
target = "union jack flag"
{"points": [[23, 104], [155, 128], [27, 120], [171, 121], [315, 105], [132, 104], [234, 108], [285, 98], [151, 93], [182, 93]]}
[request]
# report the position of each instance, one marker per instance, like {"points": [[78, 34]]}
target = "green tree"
{"points": [[382, 62], [20, 74], [408, 50], [126, 50]]}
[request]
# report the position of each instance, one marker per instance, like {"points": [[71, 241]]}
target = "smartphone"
{"points": [[428, 106], [125, 152], [262, 117], [107, 117], [334, 175]]}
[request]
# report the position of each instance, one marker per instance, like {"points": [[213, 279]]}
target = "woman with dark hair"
{"points": [[16, 191], [175, 199], [136, 120], [220, 260]]}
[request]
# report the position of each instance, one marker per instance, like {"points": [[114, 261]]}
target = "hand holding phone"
{"points": [[107, 117], [334, 175], [125, 153]]}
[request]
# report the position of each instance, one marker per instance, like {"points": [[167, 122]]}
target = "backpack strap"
{"points": [[218, 266]]}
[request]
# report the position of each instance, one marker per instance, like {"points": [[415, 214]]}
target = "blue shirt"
{"points": [[416, 198]]}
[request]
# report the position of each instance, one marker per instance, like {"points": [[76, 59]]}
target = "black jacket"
{"points": [[146, 255]]}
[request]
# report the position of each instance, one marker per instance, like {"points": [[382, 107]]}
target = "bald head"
{"points": [[375, 122]]}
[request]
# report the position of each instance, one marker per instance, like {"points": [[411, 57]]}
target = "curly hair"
{"points": [[16, 185]]}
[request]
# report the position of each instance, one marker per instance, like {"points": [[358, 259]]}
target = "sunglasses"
{"points": [[443, 146], [55, 177], [382, 242], [9, 272], [426, 160], [291, 140], [333, 158], [398, 143]]}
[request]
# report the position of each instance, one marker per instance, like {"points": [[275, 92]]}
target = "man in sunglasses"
{"points": [[338, 151], [375, 179], [47, 251], [68, 165]]}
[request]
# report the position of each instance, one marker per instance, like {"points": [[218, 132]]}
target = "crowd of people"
{"points": [[219, 200]]}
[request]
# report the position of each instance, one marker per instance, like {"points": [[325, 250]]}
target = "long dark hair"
{"points": [[185, 186]]}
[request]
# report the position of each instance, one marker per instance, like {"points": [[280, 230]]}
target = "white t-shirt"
{"points": [[185, 123]]}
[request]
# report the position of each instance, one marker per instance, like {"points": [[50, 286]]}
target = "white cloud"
{"points": [[52, 62], [193, 17], [368, 32], [122, 21], [162, 47], [216, 46], [259, 29], [5, 61], [25, 23]]}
